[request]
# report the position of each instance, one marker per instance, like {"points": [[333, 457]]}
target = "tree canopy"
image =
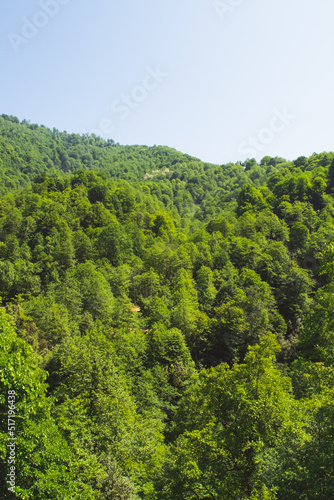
{"points": [[166, 324]]}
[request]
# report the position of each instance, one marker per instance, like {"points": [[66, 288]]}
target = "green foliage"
{"points": [[250, 198], [185, 304], [154, 289], [38, 440], [218, 451]]}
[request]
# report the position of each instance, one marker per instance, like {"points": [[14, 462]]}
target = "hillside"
{"points": [[167, 324]]}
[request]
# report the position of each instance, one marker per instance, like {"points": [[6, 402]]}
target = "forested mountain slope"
{"points": [[167, 324]]}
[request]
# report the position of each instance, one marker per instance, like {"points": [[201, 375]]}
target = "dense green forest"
{"points": [[167, 325]]}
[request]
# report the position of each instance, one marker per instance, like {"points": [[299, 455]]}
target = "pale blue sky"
{"points": [[221, 81]]}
